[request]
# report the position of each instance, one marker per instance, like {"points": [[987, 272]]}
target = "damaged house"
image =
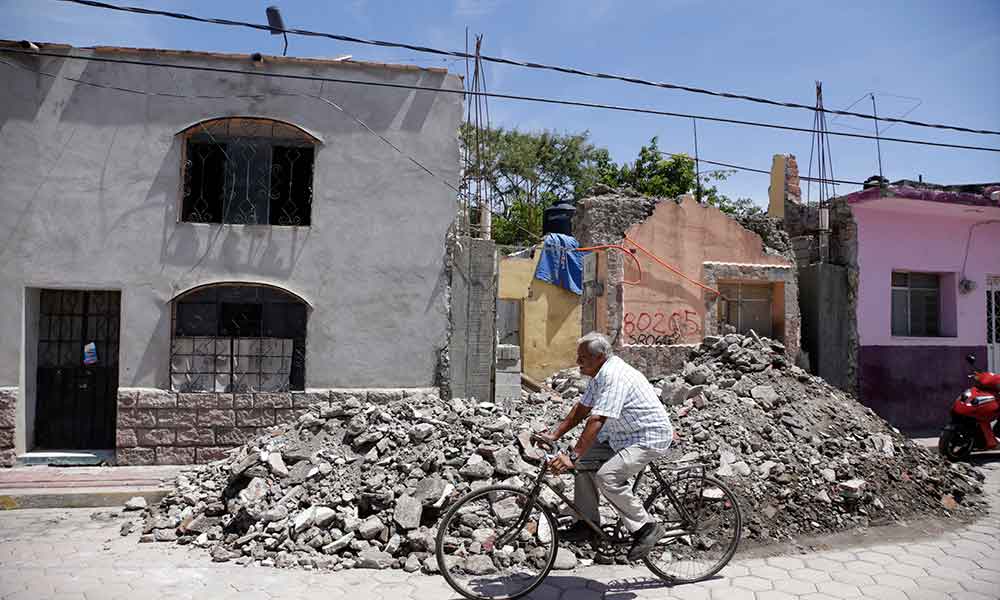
{"points": [[198, 256], [682, 271]]}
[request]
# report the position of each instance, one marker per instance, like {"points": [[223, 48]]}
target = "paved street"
{"points": [[64, 554]]}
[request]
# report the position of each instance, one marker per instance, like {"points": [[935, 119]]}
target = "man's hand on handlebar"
{"points": [[560, 463]]}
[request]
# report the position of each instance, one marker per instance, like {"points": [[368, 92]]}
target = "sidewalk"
{"points": [[66, 554], [70, 487]]}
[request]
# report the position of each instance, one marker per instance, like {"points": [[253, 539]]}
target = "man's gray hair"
{"points": [[597, 344]]}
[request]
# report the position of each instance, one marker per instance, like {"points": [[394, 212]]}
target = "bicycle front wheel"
{"points": [[704, 526], [496, 543]]}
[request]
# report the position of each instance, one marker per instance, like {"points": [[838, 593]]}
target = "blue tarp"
{"points": [[560, 263]]}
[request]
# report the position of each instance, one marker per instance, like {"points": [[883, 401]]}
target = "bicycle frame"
{"points": [[678, 528]]}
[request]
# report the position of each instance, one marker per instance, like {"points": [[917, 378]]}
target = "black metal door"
{"points": [[77, 402]]}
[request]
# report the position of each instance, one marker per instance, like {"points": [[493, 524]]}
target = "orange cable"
{"points": [[670, 268], [629, 252]]}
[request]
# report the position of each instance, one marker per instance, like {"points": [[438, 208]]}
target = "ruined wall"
{"points": [[663, 308], [663, 311], [829, 305]]}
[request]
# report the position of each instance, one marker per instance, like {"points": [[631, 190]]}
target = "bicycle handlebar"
{"points": [[543, 443]]}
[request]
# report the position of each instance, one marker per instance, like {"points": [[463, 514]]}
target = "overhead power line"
{"points": [[516, 63], [755, 170], [539, 99], [143, 92]]}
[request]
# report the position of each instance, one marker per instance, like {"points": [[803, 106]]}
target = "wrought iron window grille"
{"points": [[238, 338], [247, 171]]}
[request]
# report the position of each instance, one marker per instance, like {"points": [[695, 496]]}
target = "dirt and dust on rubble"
{"points": [[355, 485]]}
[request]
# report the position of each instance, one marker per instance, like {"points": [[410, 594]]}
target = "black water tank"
{"points": [[558, 218]]}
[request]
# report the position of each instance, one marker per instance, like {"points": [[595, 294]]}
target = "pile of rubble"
{"points": [[349, 484], [803, 457], [354, 484]]}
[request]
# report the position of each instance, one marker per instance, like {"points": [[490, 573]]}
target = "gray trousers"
{"points": [[610, 472]]}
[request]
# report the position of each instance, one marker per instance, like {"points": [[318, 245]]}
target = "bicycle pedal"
{"points": [[564, 521]]}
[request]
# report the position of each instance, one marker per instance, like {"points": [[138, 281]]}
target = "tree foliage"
{"points": [[524, 173]]}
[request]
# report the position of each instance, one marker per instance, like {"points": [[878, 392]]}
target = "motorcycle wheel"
{"points": [[956, 444]]}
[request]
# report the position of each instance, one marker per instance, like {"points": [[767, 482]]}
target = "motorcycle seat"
{"points": [[990, 380]]}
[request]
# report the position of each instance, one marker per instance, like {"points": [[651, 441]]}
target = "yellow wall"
{"points": [[550, 317]]}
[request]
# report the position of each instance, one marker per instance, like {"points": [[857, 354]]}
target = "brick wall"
{"points": [[8, 406], [160, 427]]}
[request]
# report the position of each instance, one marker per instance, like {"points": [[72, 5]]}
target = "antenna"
{"points": [[820, 149]]}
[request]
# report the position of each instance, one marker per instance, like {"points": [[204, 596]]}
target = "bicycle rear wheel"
{"points": [[496, 543], [704, 528]]}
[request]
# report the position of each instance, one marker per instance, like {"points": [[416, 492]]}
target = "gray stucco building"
{"points": [[204, 254]]}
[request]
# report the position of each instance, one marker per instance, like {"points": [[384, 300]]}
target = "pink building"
{"points": [[904, 286]]}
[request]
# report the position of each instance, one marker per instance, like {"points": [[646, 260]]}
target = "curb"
{"points": [[76, 498]]}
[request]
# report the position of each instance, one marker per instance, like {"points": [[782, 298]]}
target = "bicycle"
{"points": [[500, 542]]}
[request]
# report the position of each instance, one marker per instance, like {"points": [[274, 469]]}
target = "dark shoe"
{"points": [[579, 532], [644, 540]]}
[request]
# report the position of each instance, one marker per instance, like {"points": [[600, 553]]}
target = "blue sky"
{"points": [[940, 59]]}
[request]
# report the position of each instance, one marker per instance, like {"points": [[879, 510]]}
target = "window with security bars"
{"points": [[916, 304], [238, 338], [248, 171], [746, 306]]}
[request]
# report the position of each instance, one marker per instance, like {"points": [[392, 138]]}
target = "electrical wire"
{"points": [[537, 99], [512, 62], [754, 170], [670, 268]]}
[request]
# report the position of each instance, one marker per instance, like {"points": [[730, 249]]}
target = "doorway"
{"points": [[77, 369]]}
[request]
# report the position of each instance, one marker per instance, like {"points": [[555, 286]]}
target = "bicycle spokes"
{"points": [[496, 543], [703, 526]]}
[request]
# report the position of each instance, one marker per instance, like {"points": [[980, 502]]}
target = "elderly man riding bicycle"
{"points": [[627, 428]]}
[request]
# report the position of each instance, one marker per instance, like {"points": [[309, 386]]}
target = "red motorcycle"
{"points": [[974, 416]]}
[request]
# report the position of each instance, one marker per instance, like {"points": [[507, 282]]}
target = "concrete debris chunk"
{"points": [[476, 468], [135, 503], [853, 488], [407, 512], [374, 559], [277, 464], [304, 519], [371, 528]]}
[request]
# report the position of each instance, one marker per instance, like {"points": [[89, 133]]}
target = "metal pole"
{"points": [[697, 168], [878, 143]]}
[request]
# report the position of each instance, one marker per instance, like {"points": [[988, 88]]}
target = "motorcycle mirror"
{"points": [[971, 359]]}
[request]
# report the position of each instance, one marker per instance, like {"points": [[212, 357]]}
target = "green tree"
{"points": [[524, 173], [668, 176]]}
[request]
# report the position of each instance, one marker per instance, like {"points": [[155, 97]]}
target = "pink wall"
{"points": [[899, 234]]}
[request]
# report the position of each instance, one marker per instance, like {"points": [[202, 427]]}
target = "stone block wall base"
{"points": [[8, 408], [161, 427], [656, 361]]}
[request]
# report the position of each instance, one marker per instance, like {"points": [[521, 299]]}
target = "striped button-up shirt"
{"points": [[635, 415]]}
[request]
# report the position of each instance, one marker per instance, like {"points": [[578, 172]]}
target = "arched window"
{"points": [[238, 338], [249, 171]]}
